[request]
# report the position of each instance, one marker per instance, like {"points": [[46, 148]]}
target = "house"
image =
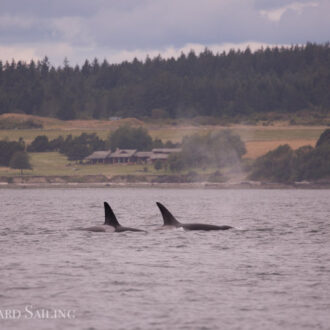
{"points": [[166, 150], [162, 154], [143, 157], [123, 156], [160, 157], [131, 156], [98, 157]]}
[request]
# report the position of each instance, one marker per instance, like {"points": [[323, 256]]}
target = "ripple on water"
{"points": [[270, 272]]}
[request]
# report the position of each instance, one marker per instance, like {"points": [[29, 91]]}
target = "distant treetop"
{"points": [[286, 80]]}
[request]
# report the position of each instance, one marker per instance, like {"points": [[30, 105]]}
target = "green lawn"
{"points": [[55, 164]]}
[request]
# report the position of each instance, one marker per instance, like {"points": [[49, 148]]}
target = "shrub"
{"points": [[7, 150], [79, 147], [20, 160], [285, 165], [324, 138], [126, 137], [276, 165], [39, 144]]}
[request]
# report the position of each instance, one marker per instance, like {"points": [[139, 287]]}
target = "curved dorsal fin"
{"points": [[168, 218], [110, 218]]}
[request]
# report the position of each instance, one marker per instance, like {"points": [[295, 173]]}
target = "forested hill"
{"points": [[227, 84]]}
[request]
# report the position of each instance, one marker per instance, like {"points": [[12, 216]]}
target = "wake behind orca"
{"points": [[170, 221], [111, 223]]}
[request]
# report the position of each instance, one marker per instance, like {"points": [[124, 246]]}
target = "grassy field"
{"points": [[247, 133], [258, 139], [176, 133], [55, 164]]}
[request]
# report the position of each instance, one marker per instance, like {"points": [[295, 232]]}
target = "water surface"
{"points": [[271, 272]]}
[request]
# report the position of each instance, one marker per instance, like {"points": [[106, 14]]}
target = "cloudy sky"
{"points": [[123, 29]]}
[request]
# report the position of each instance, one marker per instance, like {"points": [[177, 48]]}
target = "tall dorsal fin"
{"points": [[168, 218], [110, 218]]}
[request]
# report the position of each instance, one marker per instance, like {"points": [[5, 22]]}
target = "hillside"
{"points": [[230, 86], [259, 139], [55, 168]]}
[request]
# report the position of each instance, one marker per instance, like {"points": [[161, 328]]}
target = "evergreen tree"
{"points": [[233, 84]]}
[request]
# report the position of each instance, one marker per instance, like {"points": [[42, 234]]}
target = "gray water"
{"points": [[271, 272]]}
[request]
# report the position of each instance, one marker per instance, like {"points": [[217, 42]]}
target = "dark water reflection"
{"points": [[272, 272]]}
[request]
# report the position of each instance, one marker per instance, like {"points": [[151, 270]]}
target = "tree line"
{"points": [[79, 147], [286, 165], [219, 85]]}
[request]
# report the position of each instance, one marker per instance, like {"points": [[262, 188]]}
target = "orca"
{"points": [[171, 222], [111, 223]]}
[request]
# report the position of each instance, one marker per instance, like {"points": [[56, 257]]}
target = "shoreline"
{"points": [[151, 181], [195, 185]]}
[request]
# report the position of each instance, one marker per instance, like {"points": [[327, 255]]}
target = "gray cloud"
{"points": [[110, 26], [66, 8], [273, 4], [50, 8]]}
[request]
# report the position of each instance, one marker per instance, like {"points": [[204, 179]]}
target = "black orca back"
{"points": [[110, 218], [201, 226], [168, 218]]}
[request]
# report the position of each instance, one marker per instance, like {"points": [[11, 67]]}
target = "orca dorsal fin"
{"points": [[110, 218], [168, 218]]}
